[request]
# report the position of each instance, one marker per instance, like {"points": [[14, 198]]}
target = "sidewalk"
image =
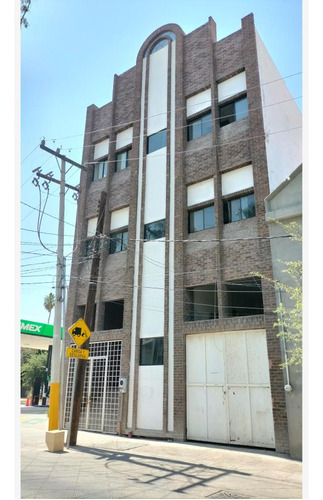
{"points": [[105, 466]]}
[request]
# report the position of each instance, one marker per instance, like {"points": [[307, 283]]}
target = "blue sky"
{"points": [[69, 55]]}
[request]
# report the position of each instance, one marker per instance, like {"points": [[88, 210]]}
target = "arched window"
{"points": [[160, 43]]}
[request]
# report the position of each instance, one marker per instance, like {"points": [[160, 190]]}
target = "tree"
{"points": [[33, 370], [289, 323], [24, 8], [49, 304]]}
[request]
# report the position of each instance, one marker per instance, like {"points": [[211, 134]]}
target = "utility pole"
{"points": [[56, 352], [79, 373]]}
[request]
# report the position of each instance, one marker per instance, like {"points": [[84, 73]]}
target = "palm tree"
{"points": [[49, 303]]}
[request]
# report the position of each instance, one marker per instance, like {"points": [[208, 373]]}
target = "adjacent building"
{"points": [[197, 134]]}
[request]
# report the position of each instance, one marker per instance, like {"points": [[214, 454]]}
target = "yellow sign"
{"points": [[75, 352], [79, 332]]}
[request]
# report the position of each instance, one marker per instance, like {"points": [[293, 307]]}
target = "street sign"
{"points": [[79, 332], [75, 352]]}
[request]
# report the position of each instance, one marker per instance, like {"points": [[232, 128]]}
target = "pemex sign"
{"points": [[38, 329]]}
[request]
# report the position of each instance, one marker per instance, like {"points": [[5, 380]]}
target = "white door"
{"points": [[228, 389]]}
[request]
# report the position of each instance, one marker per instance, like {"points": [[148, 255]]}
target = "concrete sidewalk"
{"points": [[105, 466]]}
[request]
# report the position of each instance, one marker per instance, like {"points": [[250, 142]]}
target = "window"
{"points": [[233, 111], [155, 230], [202, 218], [151, 351], [201, 303], [113, 315], [118, 242], [99, 170], [122, 160], [157, 141], [244, 297], [88, 248], [239, 208], [200, 126]]}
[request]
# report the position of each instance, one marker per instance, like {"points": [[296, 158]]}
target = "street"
{"points": [[109, 466]]}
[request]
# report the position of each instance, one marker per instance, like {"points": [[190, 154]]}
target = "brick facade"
{"points": [[201, 63]]}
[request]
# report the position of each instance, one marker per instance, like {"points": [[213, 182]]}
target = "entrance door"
{"points": [[228, 389], [99, 405]]}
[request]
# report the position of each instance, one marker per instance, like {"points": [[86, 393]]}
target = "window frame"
{"points": [[95, 175], [227, 208], [233, 116], [201, 119], [120, 161], [203, 208], [124, 244]]}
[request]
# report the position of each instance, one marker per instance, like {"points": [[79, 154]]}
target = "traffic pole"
{"points": [[53, 423]]}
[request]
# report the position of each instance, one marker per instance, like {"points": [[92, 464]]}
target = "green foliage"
{"points": [[49, 303], [33, 367], [289, 324]]}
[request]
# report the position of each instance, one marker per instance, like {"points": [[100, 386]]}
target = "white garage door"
{"points": [[228, 388]]}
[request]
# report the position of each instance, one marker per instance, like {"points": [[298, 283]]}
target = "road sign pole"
{"points": [[72, 404]]}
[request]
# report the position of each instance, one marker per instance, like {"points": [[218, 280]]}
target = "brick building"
{"points": [[197, 134]]}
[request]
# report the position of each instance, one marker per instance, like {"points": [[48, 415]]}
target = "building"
{"points": [[284, 205], [198, 133]]}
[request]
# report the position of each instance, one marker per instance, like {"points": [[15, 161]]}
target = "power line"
{"points": [[122, 125]]}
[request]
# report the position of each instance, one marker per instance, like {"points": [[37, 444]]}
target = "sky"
{"points": [[68, 57]]}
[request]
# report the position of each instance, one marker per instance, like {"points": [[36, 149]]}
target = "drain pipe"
{"points": [[287, 387]]}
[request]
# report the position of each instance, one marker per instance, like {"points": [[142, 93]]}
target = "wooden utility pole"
{"points": [[54, 407], [78, 382]]}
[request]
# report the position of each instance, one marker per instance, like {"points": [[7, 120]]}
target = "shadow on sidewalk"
{"points": [[150, 470]]}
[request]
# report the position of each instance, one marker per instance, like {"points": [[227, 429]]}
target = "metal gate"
{"points": [[100, 399]]}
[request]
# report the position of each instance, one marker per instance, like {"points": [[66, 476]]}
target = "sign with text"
{"points": [[79, 332], [75, 352]]}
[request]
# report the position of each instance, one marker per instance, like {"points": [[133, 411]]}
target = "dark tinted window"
{"points": [[200, 219], [157, 141], [118, 242], [200, 126], [239, 208], [155, 230], [244, 297], [122, 160], [233, 111], [113, 315], [151, 351]]}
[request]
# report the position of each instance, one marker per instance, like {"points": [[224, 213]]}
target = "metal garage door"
{"points": [[228, 388]]}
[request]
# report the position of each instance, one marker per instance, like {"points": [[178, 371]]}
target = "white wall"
{"points": [[284, 148], [101, 149], [198, 102], [153, 283], [155, 191], [150, 397], [236, 180], [232, 86], [157, 91]]}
